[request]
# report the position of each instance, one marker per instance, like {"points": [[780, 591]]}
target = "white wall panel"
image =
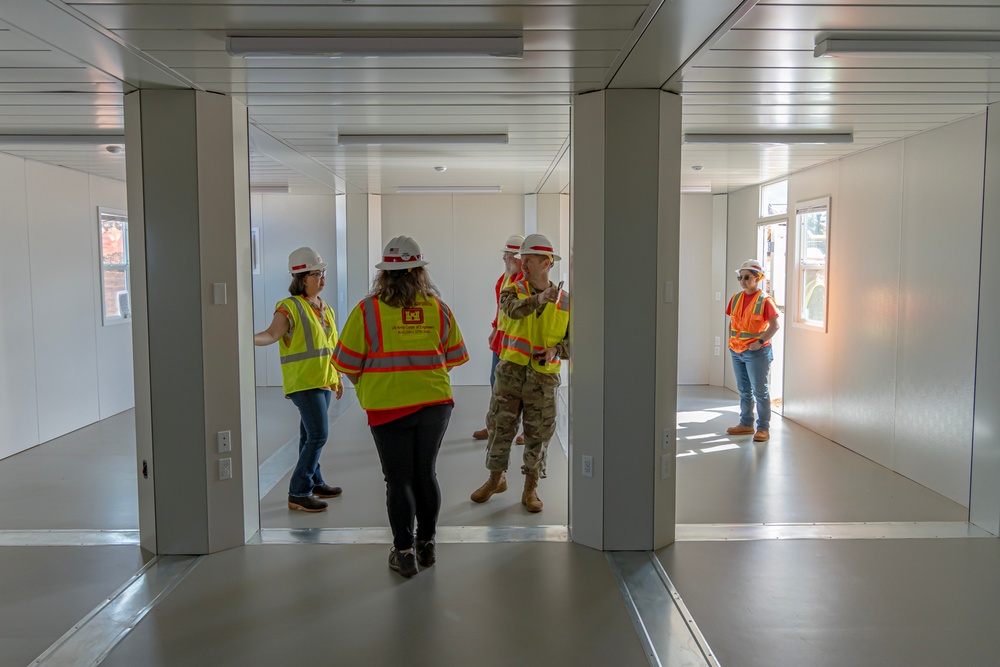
{"points": [[718, 326], [809, 354], [864, 247], [939, 269], [62, 275], [741, 243], [461, 237], [288, 222], [18, 400], [482, 224], [694, 294], [114, 343]]}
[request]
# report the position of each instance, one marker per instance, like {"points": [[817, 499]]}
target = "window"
{"points": [[112, 229], [774, 199], [812, 221]]}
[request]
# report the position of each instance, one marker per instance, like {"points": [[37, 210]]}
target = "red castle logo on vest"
{"points": [[413, 316]]}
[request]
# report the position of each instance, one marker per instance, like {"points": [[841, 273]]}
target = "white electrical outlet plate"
{"points": [[225, 469], [665, 466], [224, 440], [587, 465]]}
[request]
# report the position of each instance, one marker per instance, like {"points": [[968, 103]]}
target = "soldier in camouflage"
{"points": [[527, 376]]}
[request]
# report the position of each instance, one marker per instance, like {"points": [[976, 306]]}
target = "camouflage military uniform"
{"points": [[521, 391]]}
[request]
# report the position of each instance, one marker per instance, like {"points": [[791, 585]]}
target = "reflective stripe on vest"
{"points": [[305, 359], [746, 327], [535, 332], [408, 359]]}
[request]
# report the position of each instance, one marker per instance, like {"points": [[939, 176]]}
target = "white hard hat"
{"points": [[401, 253], [513, 244], [751, 265], [538, 244], [303, 260]]}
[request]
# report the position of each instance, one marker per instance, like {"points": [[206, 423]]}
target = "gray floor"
{"points": [[756, 602]]}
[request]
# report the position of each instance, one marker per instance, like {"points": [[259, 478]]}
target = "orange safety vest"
{"points": [[746, 325], [533, 333], [402, 355]]}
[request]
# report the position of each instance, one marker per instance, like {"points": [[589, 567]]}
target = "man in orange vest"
{"points": [[512, 273], [753, 322], [527, 377]]}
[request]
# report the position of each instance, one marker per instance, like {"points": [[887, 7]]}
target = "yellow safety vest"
{"points": [[402, 355], [305, 358], [502, 319], [534, 333], [746, 325]]}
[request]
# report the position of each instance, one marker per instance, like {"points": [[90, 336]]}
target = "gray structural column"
{"points": [[189, 236], [984, 508], [623, 378]]}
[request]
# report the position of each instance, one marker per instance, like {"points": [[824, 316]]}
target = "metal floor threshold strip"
{"points": [[445, 535], [877, 530], [88, 642], [669, 635]]}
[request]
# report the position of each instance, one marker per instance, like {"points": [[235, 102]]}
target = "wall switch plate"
{"points": [[665, 470], [718, 340], [718, 296], [587, 465], [718, 350], [225, 469], [224, 439], [219, 294]]}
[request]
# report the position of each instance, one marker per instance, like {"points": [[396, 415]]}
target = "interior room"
{"points": [[159, 162]]}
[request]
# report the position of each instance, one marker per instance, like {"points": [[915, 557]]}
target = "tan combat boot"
{"points": [[497, 483], [530, 497]]}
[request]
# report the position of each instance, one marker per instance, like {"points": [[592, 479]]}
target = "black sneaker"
{"points": [[306, 504], [327, 491], [425, 553], [405, 564]]}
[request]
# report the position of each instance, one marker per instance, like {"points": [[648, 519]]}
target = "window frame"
{"points": [[803, 208], [104, 212], [760, 201]]}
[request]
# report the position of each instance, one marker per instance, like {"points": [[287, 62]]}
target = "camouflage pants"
{"points": [[521, 392]]}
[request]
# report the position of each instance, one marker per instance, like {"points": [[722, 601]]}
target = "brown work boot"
{"points": [[761, 436], [481, 434], [739, 430], [529, 498], [519, 440], [497, 483]]}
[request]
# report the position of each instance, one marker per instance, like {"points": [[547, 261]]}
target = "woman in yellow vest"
{"points": [[753, 322], [306, 331], [397, 347]]}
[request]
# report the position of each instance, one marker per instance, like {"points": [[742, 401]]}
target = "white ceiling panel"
{"points": [[740, 66]]}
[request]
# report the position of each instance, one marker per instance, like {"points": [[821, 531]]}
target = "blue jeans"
{"points": [[314, 426], [751, 368], [493, 367]]}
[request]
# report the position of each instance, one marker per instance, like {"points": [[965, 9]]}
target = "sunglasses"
{"points": [[746, 277]]}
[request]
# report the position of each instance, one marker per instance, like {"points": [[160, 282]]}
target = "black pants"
{"points": [[408, 448]]}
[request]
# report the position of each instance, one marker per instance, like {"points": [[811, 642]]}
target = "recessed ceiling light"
{"points": [[441, 169], [375, 46], [919, 46], [419, 139], [772, 138], [447, 189]]}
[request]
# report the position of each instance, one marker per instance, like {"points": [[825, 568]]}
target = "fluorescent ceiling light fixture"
{"points": [[695, 189], [419, 139], [772, 138], [833, 47], [447, 189], [62, 139], [269, 189], [374, 46]]}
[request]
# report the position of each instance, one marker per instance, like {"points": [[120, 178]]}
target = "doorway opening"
{"points": [[772, 246]]}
